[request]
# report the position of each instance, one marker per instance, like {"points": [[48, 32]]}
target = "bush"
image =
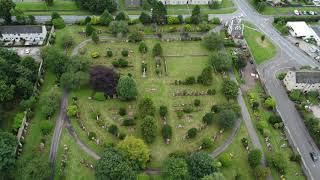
{"points": [[163, 111], [179, 114], [149, 129], [92, 136], [146, 107], [99, 96], [187, 109], [261, 125], [206, 143], [190, 80], [95, 55], [72, 111], [46, 127], [192, 133], [128, 122], [109, 53], [166, 132], [58, 23], [208, 118], [216, 20], [273, 119], [143, 48], [125, 53], [254, 157], [295, 157], [270, 103], [122, 111], [197, 102], [113, 129], [173, 20], [206, 78], [122, 136], [157, 50], [120, 63], [225, 160], [211, 92], [279, 161]]}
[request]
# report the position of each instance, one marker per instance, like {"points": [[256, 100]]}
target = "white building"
{"points": [[23, 35], [235, 28], [303, 80], [316, 2], [300, 29], [182, 2]]}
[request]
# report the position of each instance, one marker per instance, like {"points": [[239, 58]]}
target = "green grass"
{"points": [[240, 157], [65, 7], [261, 50], [276, 137], [74, 154]]}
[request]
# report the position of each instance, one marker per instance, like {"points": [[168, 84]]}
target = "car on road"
{"points": [[315, 157], [296, 12], [27, 51]]}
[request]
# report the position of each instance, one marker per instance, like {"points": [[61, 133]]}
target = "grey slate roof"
{"points": [[20, 29], [308, 77]]}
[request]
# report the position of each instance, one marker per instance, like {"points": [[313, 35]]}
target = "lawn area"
{"points": [[74, 156], [64, 7], [183, 59], [240, 163], [277, 139], [261, 50]]}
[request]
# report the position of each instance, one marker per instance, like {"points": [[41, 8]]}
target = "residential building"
{"points": [[132, 3], [304, 80], [316, 2], [235, 28], [25, 35], [300, 29], [190, 2]]}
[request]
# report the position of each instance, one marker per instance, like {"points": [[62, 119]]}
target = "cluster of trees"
{"points": [[98, 6], [8, 144], [122, 161], [197, 165], [17, 78], [260, 5], [6, 7], [57, 21]]}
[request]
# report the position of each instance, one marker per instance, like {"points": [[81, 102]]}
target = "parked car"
{"points": [[315, 157], [296, 12], [311, 12], [27, 51], [317, 58], [304, 12]]}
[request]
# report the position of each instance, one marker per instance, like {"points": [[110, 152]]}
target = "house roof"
{"points": [[308, 77], [20, 29], [300, 28]]}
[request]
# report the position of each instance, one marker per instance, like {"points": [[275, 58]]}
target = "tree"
{"points": [[206, 143], [98, 6], [113, 165], [212, 41], [146, 107], [157, 50], [122, 16], [206, 78], [72, 111], [254, 157], [49, 2], [175, 169], [89, 29], [145, 18], [230, 89], [106, 18], [136, 36], [263, 37], [279, 161], [127, 88], [159, 13], [6, 6], [135, 150], [8, 144], [192, 133], [46, 127], [67, 41], [58, 23], [208, 118], [270, 103], [104, 79], [119, 27], [214, 176], [196, 16], [143, 48], [220, 62], [55, 15], [50, 102], [95, 37], [163, 111], [166, 131], [262, 172], [56, 61], [200, 164], [226, 118], [149, 129], [34, 167], [6, 91]]}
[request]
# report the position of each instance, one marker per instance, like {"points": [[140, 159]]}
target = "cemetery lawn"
{"points": [[183, 59], [239, 163], [276, 136], [74, 170], [261, 50]]}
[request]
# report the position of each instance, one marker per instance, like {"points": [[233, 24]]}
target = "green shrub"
{"points": [[273, 119], [254, 157], [211, 92], [109, 53], [179, 114], [92, 135], [95, 55], [122, 111], [166, 131], [225, 160], [192, 133], [128, 122], [187, 109], [46, 127], [206, 143], [197, 102], [17, 121], [163, 111], [99, 96], [190, 80], [58, 23], [295, 157], [125, 53], [208, 118], [122, 63], [113, 129]]}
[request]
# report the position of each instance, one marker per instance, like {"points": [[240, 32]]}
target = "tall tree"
{"points": [[135, 150], [145, 18], [6, 6], [226, 118], [106, 18], [8, 144], [113, 165], [127, 88], [206, 76], [196, 16], [104, 79], [56, 61], [159, 13], [175, 169], [149, 129], [220, 61], [200, 164]]}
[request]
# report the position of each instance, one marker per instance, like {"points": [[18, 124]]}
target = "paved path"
{"points": [[57, 131]]}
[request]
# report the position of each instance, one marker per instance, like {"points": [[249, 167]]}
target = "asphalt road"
{"points": [[288, 56]]}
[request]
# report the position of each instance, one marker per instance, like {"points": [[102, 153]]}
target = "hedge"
{"points": [[297, 18]]}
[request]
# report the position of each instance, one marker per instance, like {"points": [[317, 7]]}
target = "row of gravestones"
{"points": [[190, 93]]}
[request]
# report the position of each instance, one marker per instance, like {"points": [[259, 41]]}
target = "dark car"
{"points": [[314, 156]]}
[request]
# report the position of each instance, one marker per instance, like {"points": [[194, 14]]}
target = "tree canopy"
{"points": [[175, 169], [113, 165], [230, 89], [8, 144], [98, 6], [6, 6], [127, 88], [159, 13], [254, 157], [104, 79], [226, 118], [149, 129], [220, 61], [200, 164], [212, 41], [146, 107]]}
